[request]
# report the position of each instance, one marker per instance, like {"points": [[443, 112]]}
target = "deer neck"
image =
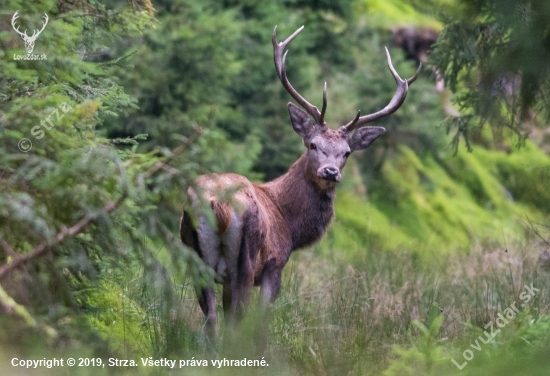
{"points": [[306, 207]]}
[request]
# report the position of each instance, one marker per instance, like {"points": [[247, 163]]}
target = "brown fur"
{"points": [[278, 217], [306, 208], [222, 211], [259, 225]]}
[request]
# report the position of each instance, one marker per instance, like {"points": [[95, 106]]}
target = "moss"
{"points": [[524, 173], [389, 13]]}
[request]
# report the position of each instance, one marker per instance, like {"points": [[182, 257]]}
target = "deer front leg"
{"points": [[271, 283]]}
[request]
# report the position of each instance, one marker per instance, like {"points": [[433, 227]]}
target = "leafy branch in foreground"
{"points": [[494, 56], [77, 207]]}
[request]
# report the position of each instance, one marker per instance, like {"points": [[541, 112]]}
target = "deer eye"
{"points": [[347, 154], [312, 146]]}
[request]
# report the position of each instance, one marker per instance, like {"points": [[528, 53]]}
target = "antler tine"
{"points": [[279, 56], [279, 48], [324, 108], [415, 75], [396, 101]]}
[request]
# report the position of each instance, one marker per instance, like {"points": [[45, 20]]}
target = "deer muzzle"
{"points": [[329, 173]]}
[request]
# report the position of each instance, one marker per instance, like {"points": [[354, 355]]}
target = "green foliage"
{"points": [[73, 205], [119, 320], [494, 56], [422, 358], [507, 351]]}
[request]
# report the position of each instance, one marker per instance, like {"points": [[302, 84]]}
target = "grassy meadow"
{"points": [[387, 313]]}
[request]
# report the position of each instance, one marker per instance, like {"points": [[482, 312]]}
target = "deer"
{"points": [[29, 41], [258, 227]]}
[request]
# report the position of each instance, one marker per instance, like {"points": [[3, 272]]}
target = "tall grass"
{"points": [[347, 318], [334, 317], [389, 313]]}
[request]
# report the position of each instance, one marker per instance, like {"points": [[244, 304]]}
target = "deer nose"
{"points": [[331, 173]]}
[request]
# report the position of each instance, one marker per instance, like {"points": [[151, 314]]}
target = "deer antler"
{"points": [[395, 103], [16, 28], [279, 56]]}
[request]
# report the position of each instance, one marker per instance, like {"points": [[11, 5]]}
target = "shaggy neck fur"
{"points": [[305, 201]]}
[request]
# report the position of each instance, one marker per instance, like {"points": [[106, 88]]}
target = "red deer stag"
{"points": [[261, 224]]}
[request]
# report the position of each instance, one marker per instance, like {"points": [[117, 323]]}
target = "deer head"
{"points": [[328, 150], [29, 41]]}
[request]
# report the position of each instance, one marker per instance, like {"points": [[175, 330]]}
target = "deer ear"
{"points": [[300, 121], [363, 137]]}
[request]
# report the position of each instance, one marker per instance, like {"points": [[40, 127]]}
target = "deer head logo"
{"points": [[29, 41]]}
